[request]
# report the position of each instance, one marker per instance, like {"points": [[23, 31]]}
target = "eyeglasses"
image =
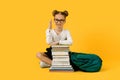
{"points": [[59, 20]]}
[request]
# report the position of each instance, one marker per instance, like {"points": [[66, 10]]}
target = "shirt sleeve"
{"points": [[48, 36], [69, 39]]}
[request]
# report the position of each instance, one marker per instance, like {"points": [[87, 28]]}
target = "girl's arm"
{"points": [[68, 41], [49, 35], [49, 38]]}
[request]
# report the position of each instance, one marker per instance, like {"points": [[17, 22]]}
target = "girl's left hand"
{"points": [[54, 43]]}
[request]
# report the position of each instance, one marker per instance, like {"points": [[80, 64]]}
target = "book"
{"points": [[66, 59], [61, 65], [61, 45], [61, 60], [61, 69], [61, 48], [60, 53], [61, 57]]}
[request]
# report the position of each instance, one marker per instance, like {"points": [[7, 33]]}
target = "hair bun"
{"points": [[66, 13], [55, 12]]}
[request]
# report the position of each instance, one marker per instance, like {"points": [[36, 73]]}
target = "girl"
{"points": [[55, 36], [82, 61]]}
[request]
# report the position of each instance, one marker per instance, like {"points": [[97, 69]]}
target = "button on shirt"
{"points": [[64, 37]]}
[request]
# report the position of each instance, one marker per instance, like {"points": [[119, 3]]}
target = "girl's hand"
{"points": [[50, 24], [54, 43]]}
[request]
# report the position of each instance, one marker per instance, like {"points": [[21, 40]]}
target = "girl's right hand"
{"points": [[54, 43], [50, 24]]}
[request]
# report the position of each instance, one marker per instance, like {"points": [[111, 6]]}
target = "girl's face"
{"points": [[59, 20]]}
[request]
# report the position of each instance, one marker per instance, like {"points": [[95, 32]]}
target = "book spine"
{"points": [[60, 46], [60, 53], [61, 66], [60, 57], [60, 63], [60, 50]]}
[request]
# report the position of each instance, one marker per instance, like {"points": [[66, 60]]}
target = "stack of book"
{"points": [[61, 60]]}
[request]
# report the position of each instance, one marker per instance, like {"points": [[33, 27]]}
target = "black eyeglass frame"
{"points": [[59, 20]]}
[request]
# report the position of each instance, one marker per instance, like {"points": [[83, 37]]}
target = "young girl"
{"points": [[55, 36], [79, 61]]}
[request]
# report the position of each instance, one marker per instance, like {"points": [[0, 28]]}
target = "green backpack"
{"points": [[86, 62]]}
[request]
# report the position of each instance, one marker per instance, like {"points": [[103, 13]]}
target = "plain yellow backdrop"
{"points": [[94, 26]]}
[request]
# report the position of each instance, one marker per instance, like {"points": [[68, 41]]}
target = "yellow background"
{"points": [[94, 26]]}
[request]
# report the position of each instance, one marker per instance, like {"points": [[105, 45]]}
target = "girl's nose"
{"points": [[59, 22]]}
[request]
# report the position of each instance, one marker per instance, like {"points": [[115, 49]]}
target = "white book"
{"points": [[60, 53], [60, 50], [60, 46], [60, 63], [60, 59], [61, 66], [61, 69]]}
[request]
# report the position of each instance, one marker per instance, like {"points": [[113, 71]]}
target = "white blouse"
{"points": [[64, 37]]}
